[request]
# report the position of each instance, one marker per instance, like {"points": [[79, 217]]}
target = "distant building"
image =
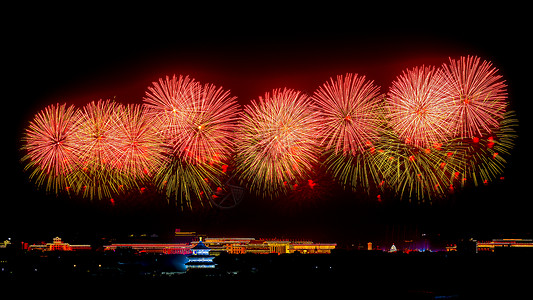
{"points": [[229, 245], [477, 246], [256, 247], [503, 243], [59, 245], [279, 247], [184, 249], [218, 245], [311, 248], [200, 258], [253, 246]]}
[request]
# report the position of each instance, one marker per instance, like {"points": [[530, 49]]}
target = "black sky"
{"points": [[77, 56]]}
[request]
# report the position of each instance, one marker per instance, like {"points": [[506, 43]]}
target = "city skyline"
{"points": [[184, 242]]}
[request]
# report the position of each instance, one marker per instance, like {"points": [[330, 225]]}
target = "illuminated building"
{"points": [[451, 248], [257, 247], [236, 249], [58, 245], [229, 245], [200, 258], [503, 243], [312, 248], [217, 245], [253, 246], [184, 249], [497, 244], [369, 246], [279, 247]]}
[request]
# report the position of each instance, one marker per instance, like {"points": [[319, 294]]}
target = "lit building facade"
{"points": [[503, 243], [58, 245], [497, 243], [184, 249], [312, 248], [253, 246], [215, 246]]}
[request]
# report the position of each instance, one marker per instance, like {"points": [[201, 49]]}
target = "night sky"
{"points": [[104, 53]]}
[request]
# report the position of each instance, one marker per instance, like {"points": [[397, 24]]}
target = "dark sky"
{"points": [[82, 55]]}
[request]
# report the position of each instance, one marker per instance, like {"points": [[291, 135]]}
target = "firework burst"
{"points": [[205, 133], [348, 108], [478, 95], [419, 110], [51, 150], [197, 124], [166, 101], [98, 174], [197, 120], [277, 141], [350, 111]]}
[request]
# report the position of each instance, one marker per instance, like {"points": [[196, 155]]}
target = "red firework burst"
{"points": [[51, 150], [196, 125], [479, 96], [205, 133], [349, 110], [277, 141], [418, 109], [165, 101], [198, 121]]}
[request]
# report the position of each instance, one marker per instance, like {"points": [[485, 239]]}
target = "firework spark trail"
{"points": [[349, 112], [277, 141], [51, 150], [479, 95], [419, 111]]}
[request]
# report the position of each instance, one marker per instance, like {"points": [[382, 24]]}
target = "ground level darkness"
{"points": [[352, 274]]}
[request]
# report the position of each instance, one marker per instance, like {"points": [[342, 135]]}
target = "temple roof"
{"points": [[200, 245]]}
